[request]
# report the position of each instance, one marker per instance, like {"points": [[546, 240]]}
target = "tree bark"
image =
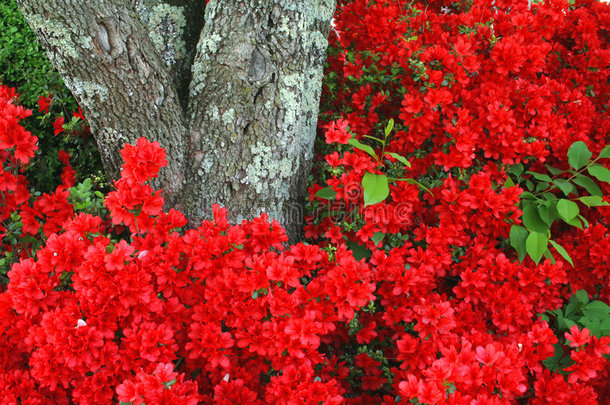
{"points": [[234, 101]]}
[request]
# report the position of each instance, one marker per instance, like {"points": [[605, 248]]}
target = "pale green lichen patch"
{"points": [[87, 93], [56, 34], [166, 26], [268, 174], [228, 116]]}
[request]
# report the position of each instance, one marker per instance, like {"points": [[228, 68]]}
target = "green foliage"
{"points": [[375, 188], [25, 66], [582, 312], [22, 63], [555, 197], [84, 199]]}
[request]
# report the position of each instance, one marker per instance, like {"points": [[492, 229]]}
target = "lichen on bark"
{"points": [[233, 97]]}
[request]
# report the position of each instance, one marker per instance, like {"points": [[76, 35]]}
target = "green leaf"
{"points": [[532, 220], [168, 384], [565, 186], [326, 193], [536, 245], [515, 170], [418, 184], [548, 211], [567, 209], [526, 195], [540, 176], [573, 309], [359, 251], [576, 222], [584, 220], [593, 201], [377, 237], [565, 323], [389, 127], [400, 158], [553, 170], [578, 155], [588, 184], [605, 153], [366, 148], [541, 186], [375, 188], [594, 325], [509, 182], [381, 141], [549, 255], [554, 363], [596, 309], [518, 236], [599, 172], [560, 249], [581, 296]]}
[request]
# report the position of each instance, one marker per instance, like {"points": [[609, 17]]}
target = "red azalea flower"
{"points": [[58, 125], [44, 103], [577, 337], [337, 131]]}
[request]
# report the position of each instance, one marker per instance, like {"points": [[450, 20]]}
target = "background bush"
{"points": [[24, 66]]}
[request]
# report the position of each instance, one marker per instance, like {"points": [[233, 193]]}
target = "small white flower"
{"points": [[81, 322], [226, 377]]}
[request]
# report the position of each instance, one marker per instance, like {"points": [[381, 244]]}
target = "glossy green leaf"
{"points": [[560, 249], [518, 236], [599, 172], [540, 176], [389, 127], [543, 185], [584, 220], [553, 170], [593, 324], [593, 201], [549, 255], [326, 193], [418, 184], [579, 155], [575, 222], [581, 296], [366, 148], [509, 182], [596, 309], [526, 195], [377, 237], [548, 211], [358, 251], [567, 209], [532, 220], [375, 188], [515, 169], [400, 158], [588, 184], [535, 245], [565, 186]]}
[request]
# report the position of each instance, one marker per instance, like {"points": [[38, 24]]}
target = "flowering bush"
{"points": [[411, 290]]}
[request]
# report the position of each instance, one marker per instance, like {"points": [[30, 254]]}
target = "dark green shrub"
{"points": [[25, 66]]}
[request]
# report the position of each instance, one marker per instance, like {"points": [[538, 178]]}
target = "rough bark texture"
{"points": [[108, 61], [234, 101]]}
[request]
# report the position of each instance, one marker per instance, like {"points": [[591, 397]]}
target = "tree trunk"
{"points": [[234, 101]]}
